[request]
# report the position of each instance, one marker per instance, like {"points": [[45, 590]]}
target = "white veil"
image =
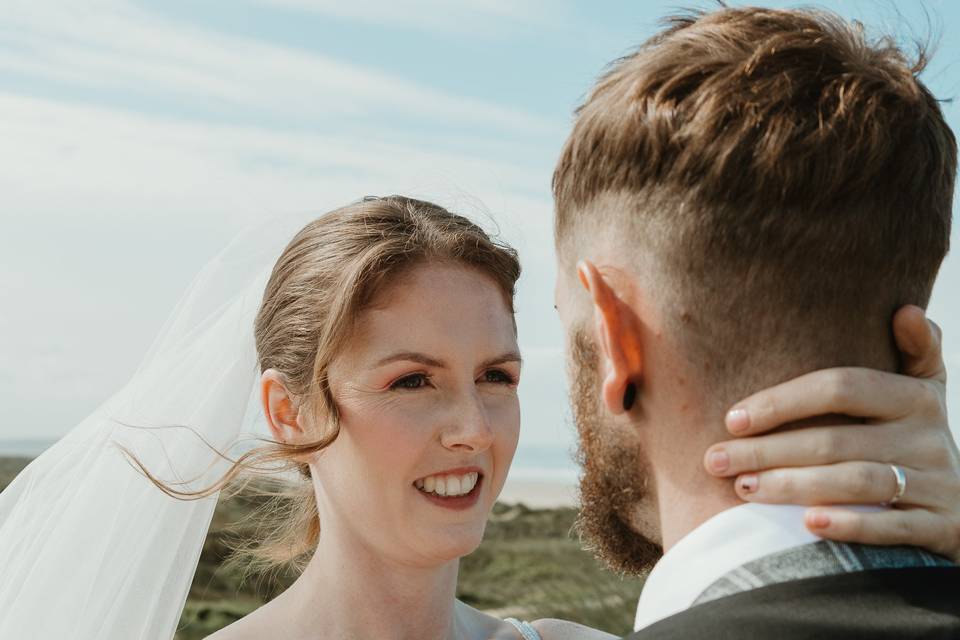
{"points": [[89, 547]]}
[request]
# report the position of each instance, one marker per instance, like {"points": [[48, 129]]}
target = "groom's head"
{"points": [[755, 191]]}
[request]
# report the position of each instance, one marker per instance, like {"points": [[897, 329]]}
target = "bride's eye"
{"points": [[413, 381], [498, 376]]}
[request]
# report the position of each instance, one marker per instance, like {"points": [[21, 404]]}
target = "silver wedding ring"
{"points": [[901, 484]]}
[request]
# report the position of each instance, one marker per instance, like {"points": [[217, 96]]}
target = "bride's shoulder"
{"points": [[493, 628], [238, 630], [253, 626], [546, 628], [553, 629]]}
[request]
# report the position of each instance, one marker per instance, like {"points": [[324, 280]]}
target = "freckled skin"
{"points": [[449, 401], [452, 417]]}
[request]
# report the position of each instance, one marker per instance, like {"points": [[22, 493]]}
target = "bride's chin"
{"points": [[453, 545]]}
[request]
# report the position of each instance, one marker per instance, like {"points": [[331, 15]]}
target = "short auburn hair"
{"points": [[791, 178]]}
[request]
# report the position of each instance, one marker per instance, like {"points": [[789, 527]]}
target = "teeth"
{"points": [[453, 486], [449, 485]]}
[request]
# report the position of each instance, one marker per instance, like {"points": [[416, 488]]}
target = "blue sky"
{"points": [[139, 137]]}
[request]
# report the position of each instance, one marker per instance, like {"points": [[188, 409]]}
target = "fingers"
{"points": [[851, 391], [825, 445], [856, 391], [916, 527], [920, 344], [843, 483]]}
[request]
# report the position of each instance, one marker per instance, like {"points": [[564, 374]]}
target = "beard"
{"points": [[614, 484]]}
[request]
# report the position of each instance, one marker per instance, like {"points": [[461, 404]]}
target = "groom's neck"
{"points": [[686, 495], [679, 423]]}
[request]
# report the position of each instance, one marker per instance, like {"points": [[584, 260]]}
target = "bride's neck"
{"points": [[349, 591]]}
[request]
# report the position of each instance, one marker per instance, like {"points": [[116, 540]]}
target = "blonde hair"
{"points": [[325, 277]]}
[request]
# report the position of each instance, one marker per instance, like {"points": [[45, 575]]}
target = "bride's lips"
{"points": [[451, 481]]}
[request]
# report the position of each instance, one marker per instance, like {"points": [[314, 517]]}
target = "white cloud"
{"points": [[58, 157], [113, 45], [156, 195], [108, 213], [473, 17], [109, 210]]}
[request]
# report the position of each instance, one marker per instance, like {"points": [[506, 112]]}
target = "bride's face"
{"points": [[427, 395]]}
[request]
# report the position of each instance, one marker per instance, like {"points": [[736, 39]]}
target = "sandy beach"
{"points": [[540, 494]]}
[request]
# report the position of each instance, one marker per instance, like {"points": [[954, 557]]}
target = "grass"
{"points": [[529, 565]]}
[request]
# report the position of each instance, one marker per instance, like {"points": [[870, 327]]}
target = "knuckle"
{"points": [[756, 456], [863, 481], [904, 528], [838, 386], [929, 399], [937, 453], [765, 411], [818, 489], [853, 527], [929, 393], [782, 483], [826, 445]]}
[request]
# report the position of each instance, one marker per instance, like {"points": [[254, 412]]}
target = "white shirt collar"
{"points": [[726, 541]]}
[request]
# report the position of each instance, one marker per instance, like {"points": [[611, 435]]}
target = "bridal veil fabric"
{"points": [[89, 547]]}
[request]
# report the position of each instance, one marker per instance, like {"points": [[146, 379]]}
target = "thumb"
{"points": [[919, 341]]}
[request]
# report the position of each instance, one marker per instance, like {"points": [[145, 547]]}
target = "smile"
{"points": [[453, 490]]}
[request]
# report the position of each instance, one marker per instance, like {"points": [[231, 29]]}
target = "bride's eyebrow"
{"points": [[424, 359], [412, 356], [510, 356]]}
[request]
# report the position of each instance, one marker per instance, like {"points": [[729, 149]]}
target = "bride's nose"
{"points": [[468, 428]]}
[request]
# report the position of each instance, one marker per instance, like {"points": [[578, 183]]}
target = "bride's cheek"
{"points": [[505, 421]]}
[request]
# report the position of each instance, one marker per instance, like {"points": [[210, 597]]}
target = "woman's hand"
{"points": [[905, 424]]}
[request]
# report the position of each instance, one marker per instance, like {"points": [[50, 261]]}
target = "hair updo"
{"points": [[324, 278]]}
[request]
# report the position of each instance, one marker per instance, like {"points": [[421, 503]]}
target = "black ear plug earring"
{"points": [[629, 396]]}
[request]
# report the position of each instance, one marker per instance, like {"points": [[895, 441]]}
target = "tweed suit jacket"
{"points": [[822, 591]]}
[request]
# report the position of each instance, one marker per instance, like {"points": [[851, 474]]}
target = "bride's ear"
{"points": [[280, 407]]}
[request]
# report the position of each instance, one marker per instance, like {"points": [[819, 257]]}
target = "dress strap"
{"points": [[527, 631]]}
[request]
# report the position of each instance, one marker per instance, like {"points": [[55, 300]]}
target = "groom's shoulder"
{"points": [[881, 603]]}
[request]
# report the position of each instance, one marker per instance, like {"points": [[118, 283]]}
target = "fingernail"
{"points": [[718, 460], [749, 483], [738, 420], [818, 520]]}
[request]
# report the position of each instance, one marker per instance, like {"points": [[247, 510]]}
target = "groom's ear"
{"points": [[618, 333]]}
